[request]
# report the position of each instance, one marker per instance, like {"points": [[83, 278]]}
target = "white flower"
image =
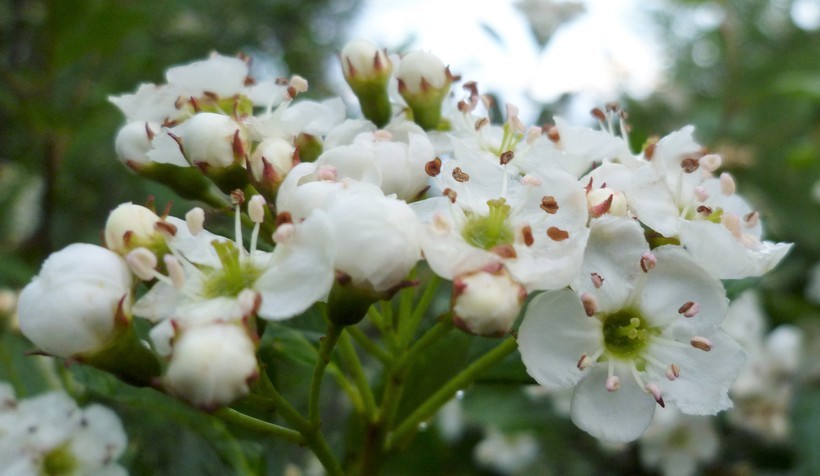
{"points": [[71, 306], [642, 328], [487, 302], [362, 60], [211, 139], [211, 365], [421, 70], [49, 434], [506, 453], [133, 142]]}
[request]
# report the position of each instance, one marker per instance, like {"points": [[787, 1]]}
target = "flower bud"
{"points": [[367, 70], [132, 226], [606, 200], [133, 142], [424, 81], [486, 303], [72, 306], [270, 163], [211, 365], [210, 139]]}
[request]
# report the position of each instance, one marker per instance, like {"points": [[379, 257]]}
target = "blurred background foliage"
{"points": [[749, 81]]}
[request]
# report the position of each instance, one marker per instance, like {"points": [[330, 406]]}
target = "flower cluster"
{"points": [[49, 434], [622, 251]]}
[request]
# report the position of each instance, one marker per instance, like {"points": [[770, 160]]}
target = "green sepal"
{"points": [[310, 147], [227, 179], [125, 355], [373, 100], [188, 182], [348, 304]]}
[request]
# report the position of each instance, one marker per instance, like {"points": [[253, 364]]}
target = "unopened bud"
{"points": [[424, 81], [367, 70], [130, 226], [487, 303]]}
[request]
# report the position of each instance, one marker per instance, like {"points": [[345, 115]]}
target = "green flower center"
{"points": [[626, 334], [60, 461], [487, 232], [236, 274]]}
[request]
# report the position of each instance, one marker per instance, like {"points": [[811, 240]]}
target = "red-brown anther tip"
{"points": [[459, 175], [211, 95], [689, 164], [549, 204], [506, 251], [552, 134], [433, 167], [597, 113], [282, 81], [249, 81], [166, 227], [597, 280], [506, 157], [704, 210], [602, 208], [701, 343], [463, 106], [689, 309], [526, 233], [649, 151], [148, 132], [481, 123], [472, 87], [283, 218], [557, 234], [661, 402], [237, 197], [582, 362], [451, 194]]}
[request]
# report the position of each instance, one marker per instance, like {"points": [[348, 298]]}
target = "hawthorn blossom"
{"points": [[677, 444], [639, 329], [50, 434]]}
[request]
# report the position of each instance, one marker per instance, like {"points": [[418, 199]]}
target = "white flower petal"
{"points": [[620, 416], [554, 335]]}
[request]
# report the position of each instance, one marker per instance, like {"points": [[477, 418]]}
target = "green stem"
{"points": [[328, 342], [232, 416], [368, 345], [439, 330], [354, 365], [409, 426], [408, 327]]}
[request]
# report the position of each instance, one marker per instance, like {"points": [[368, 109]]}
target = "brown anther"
{"points": [[557, 234], [701, 343], [481, 123], [169, 123], [249, 81], [506, 251], [282, 81], [590, 304], [472, 87], [689, 309], [433, 167], [460, 176], [597, 113], [751, 219], [689, 164], [166, 227], [601, 208], [612, 107], [583, 362], [237, 197], [597, 280], [648, 261], [673, 372], [649, 150], [549, 204], [552, 133], [148, 132], [211, 95], [506, 157], [464, 106], [526, 233], [704, 210], [283, 218], [292, 92], [238, 147], [451, 194]]}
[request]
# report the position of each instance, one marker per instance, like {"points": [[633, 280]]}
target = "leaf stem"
{"points": [[232, 416]]}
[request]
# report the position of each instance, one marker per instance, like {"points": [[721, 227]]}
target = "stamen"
{"points": [[459, 175], [284, 233], [710, 162], [732, 223], [701, 343], [256, 208], [597, 280], [656, 393], [612, 381], [587, 360], [195, 219], [557, 234], [533, 133], [526, 233], [506, 157], [481, 123], [451, 194], [669, 342], [701, 193], [751, 219], [689, 309], [549, 204], [142, 263], [553, 134], [648, 261], [727, 184], [175, 271], [590, 304], [531, 180], [689, 164], [433, 168], [673, 372]]}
